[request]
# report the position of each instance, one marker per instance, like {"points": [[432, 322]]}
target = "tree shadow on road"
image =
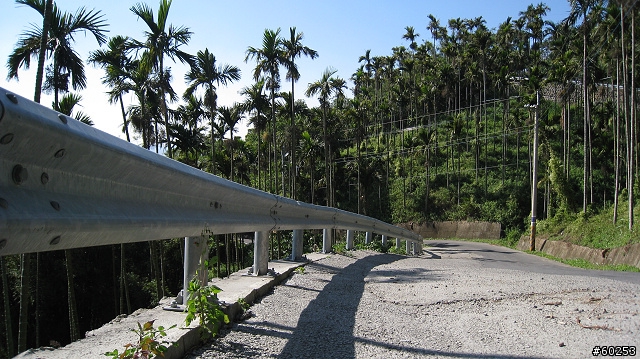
{"points": [[325, 326]]}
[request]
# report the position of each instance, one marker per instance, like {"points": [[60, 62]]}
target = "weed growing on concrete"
{"points": [[300, 270], [243, 304], [148, 345], [203, 304]]}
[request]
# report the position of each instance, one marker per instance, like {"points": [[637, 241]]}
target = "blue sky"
{"points": [[340, 31]]}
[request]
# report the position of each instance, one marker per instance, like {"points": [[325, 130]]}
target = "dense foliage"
{"points": [[439, 129]]}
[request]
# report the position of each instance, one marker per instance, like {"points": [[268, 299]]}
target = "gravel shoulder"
{"points": [[457, 300]]}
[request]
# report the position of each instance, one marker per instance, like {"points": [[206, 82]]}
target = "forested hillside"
{"points": [[439, 128]]}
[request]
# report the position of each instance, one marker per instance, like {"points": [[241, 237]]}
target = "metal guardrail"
{"points": [[68, 185]]}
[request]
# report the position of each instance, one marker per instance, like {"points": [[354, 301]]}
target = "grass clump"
{"points": [[581, 263]]}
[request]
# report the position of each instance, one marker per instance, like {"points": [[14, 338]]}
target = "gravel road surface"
{"points": [[457, 300]]}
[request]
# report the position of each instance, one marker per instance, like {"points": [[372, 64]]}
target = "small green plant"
{"points": [[300, 270], [374, 246], [243, 304], [396, 250], [340, 248], [148, 345], [203, 304]]}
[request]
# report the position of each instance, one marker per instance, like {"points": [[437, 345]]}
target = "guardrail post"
{"points": [[350, 239], [408, 246], [384, 240], [195, 255], [368, 238], [397, 243], [327, 236], [260, 253], [297, 245]]}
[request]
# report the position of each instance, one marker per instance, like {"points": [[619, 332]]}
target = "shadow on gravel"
{"points": [[432, 254], [325, 326]]}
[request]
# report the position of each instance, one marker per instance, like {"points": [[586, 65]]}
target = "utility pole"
{"points": [[534, 177]]}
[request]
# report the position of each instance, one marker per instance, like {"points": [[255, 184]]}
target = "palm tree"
{"points": [[268, 60], [118, 66], [411, 36], [140, 116], [309, 147], [66, 105], [230, 117], [161, 41], [294, 48], [435, 29], [187, 134], [46, 25], [256, 102], [325, 88], [205, 73], [67, 64]]}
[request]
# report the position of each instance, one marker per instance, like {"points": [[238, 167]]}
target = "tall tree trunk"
{"points": [[585, 120], [326, 155], [155, 268], [568, 164], [165, 110], [259, 151], [114, 269], [274, 189], [226, 250], [124, 118], [124, 285], [25, 268], [37, 300], [74, 331], [632, 157], [616, 144], [218, 254], [11, 348], [212, 112], [294, 133], [46, 24]]}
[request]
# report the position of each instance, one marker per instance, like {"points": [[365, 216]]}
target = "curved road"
{"points": [[456, 300]]}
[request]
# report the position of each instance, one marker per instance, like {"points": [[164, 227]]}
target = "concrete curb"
{"points": [[629, 254]]}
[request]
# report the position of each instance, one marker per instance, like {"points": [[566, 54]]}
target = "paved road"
{"points": [[490, 256], [457, 300]]}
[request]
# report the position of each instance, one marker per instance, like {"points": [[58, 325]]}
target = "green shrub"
{"points": [[148, 345], [203, 304]]}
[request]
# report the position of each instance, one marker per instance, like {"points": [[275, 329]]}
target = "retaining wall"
{"points": [[451, 229], [629, 254]]}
